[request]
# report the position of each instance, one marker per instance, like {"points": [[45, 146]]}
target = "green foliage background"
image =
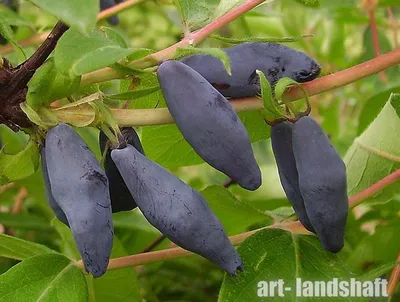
{"points": [[364, 109]]}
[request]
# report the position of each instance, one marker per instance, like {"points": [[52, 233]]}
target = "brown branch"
{"points": [[43, 52], [23, 73], [13, 87]]}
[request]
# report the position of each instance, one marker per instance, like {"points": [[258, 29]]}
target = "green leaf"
{"points": [[20, 165], [372, 156], [146, 81], [395, 102], [12, 18], [116, 285], [24, 221], [373, 106], [258, 39], [236, 216], [67, 244], [380, 248], [139, 53], [312, 3], [8, 34], [132, 94], [225, 6], [48, 84], [166, 146], [16, 248], [77, 54], [215, 52], [48, 277], [274, 254], [194, 13], [44, 118], [271, 111], [388, 2], [79, 17], [280, 88], [379, 271], [133, 220], [254, 122]]}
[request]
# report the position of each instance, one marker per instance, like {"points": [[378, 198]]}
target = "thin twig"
{"points": [[346, 76], [154, 244], [112, 11], [19, 200], [195, 38], [174, 253], [375, 39]]}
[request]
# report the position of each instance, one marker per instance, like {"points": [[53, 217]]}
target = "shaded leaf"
{"points": [[166, 146], [24, 221], [132, 94], [274, 254], [194, 13], [48, 84], [72, 12], [20, 165], [48, 277], [16, 248], [100, 48], [368, 159], [215, 52], [117, 285], [235, 215]]}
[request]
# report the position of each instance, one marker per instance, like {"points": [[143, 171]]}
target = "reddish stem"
{"points": [[375, 188], [375, 40], [117, 9], [346, 76], [198, 36]]}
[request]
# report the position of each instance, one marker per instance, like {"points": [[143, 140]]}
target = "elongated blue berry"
{"points": [[121, 198], [174, 208], [281, 138], [322, 181], [209, 123], [80, 188], [276, 61]]}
